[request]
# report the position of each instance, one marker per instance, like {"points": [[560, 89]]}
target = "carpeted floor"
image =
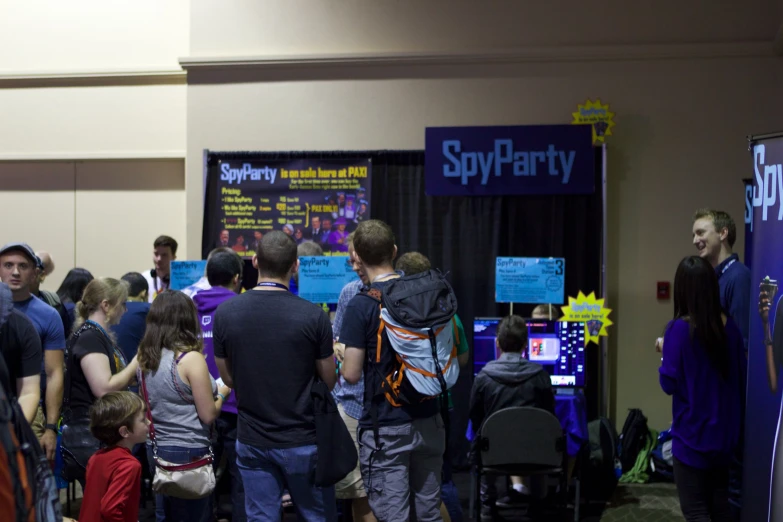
{"points": [[655, 502]]}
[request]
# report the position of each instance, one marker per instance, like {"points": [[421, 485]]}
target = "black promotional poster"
{"points": [[315, 200]]}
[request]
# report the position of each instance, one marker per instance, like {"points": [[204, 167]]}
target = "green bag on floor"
{"points": [[639, 474]]}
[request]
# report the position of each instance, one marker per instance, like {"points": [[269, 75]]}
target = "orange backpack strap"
{"points": [[380, 341]]}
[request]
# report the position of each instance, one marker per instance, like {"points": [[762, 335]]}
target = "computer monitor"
{"points": [[558, 346]]}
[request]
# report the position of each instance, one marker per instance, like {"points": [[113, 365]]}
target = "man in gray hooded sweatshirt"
{"points": [[510, 381]]}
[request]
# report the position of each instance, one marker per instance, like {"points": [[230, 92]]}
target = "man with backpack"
{"points": [[401, 432]]}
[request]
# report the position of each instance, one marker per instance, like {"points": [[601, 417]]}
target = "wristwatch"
{"points": [[52, 427]]}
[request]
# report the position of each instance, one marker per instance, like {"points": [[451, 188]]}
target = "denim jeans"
{"points": [[170, 509], [226, 427], [266, 471]]}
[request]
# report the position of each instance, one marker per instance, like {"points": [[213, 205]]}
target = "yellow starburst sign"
{"points": [[597, 115], [591, 311]]}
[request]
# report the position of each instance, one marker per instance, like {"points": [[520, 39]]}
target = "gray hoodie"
{"points": [[507, 382]]}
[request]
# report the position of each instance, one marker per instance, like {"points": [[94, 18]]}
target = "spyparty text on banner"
{"points": [[311, 200]]}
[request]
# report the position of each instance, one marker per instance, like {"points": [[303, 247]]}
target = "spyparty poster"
{"points": [[311, 200], [763, 462]]}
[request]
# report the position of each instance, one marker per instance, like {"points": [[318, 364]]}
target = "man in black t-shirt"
{"points": [[21, 349], [269, 347], [401, 463]]}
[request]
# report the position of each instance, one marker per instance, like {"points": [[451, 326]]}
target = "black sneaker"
{"points": [[513, 499]]}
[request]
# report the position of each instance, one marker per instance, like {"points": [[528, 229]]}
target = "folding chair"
{"points": [[520, 441]]}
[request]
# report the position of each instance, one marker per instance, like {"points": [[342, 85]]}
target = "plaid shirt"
{"points": [[351, 396]]}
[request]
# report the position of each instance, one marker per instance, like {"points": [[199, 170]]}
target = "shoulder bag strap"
{"points": [[142, 380]]}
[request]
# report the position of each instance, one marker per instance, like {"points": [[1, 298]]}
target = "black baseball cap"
{"points": [[25, 249]]}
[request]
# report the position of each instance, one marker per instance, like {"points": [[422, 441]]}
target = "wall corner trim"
{"points": [[524, 55], [94, 78]]}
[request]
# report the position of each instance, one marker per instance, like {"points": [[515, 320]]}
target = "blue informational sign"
{"points": [[185, 273], [529, 280], [488, 161], [763, 462], [321, 279]]}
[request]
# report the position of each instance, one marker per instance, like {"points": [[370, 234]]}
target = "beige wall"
{"points": [[681, 121], [98, 215], [294, 27], [92, 35], [93, 80]]}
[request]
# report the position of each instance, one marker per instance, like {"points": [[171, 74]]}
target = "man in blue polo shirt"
{"points": [[18, 269], [714, 234]]}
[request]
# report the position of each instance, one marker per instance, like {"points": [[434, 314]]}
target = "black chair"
{"points": [[522, 442]]}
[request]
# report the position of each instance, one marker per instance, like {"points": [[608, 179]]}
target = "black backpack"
{"points": [[633, 438], [599, 475], [415, 310]]}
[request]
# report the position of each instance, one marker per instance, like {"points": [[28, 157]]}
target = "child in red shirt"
{"points": [[113, 488]]}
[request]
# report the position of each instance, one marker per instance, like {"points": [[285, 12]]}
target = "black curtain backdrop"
{"points": [[462, 236]]}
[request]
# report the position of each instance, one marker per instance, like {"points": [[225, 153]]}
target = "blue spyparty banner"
{"points": [[763, 462], [185, 273], [529, 280], [321, 279], [486, 161]]}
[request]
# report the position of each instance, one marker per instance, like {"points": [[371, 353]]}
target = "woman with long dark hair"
{"points": [[183, 397], [704, 369]]}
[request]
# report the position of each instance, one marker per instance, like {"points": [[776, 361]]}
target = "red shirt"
{"points": [[113, 487]]}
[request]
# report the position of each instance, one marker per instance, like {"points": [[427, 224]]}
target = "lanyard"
{"points": [[374, 279], [727, 266], [99, 327], [120, 358], [273, 285]]}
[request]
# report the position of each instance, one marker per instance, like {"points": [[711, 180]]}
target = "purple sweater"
{"points": [[207, 302], [707, 411]]}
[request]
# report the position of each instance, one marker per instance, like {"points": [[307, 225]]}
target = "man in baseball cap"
{"points": [[19, 268]]}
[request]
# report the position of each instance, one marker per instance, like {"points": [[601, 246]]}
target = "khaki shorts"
{"points": [[39, 423], [352, 486]]}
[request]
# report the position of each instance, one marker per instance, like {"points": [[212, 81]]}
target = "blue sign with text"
{"points": [[486, 161], [529, 280], [321, 279], [185, 273]]}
